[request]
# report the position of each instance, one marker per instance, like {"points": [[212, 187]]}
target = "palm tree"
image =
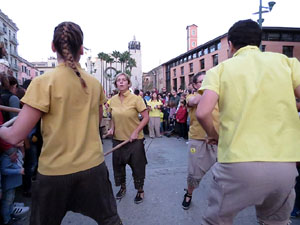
{"points": [[130, 64], [124, 57], [116, 55]]}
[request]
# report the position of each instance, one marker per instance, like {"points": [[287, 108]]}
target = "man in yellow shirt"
{"points": [[259, 130], [201, 155]]}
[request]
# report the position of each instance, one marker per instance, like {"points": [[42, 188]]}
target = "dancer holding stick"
{"points": [[125, 108], [72, 175]]}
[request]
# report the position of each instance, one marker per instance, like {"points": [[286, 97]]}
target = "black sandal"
{"points": [[186, 204], [138, 199], [121, 193]]}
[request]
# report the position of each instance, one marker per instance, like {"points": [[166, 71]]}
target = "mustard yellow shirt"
{"points": [[195, 130], [70, 120], [258, 115], [154, 112], [125, 115]]}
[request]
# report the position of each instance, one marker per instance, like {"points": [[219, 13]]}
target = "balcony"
{"points": [[14, 40], [14, 67], [14, 53]]}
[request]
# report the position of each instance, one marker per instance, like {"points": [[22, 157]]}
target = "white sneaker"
{"points": [[16, 204], [19, 211]]}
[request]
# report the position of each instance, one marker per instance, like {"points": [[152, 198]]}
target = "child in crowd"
{"points": [[181, 119]]}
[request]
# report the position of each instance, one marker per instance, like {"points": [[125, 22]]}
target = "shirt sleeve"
{"points": [[38, 94], [140, 105], [295, 67], [102, 96], [211, 81]]}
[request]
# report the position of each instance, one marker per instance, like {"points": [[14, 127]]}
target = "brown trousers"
{"points": [[87, 192], [269, 186], [154, 127]]}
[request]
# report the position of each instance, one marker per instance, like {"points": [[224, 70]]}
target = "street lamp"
{"points": [[261, 11]]}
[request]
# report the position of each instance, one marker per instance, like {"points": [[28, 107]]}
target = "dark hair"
{"points": [[12, 81], [183, 102], [195, 77], [67, 40], [136, 92], [26, 84], [4, 81], [245, 32], [154, 92]]}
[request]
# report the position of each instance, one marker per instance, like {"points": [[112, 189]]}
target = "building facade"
{"points": [[27, 71], [154, 79], [179, 71], [8, 36], [43, 67]]}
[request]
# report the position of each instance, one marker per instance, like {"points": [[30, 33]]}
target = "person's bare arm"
{"points": [[193, 101], [205, 107], [143, 123], [27, 119]]}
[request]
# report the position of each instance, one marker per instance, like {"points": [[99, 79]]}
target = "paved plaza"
{"points": [[164, 190]]}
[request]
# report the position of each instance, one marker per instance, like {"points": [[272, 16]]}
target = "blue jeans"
{"points": [[7, 204]]}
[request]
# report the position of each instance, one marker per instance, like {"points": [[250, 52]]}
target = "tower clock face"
{"points": [[110, 72]]}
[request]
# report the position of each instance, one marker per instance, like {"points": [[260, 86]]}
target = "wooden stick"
{"points": [[10, 122], [9, 109], [116, 147]]}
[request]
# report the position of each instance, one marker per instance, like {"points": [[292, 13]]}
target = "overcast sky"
{"points": [[160, 25]]}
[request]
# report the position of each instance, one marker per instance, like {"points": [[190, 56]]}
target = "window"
{"points": [[191, 67], [4, 28], [193, 32], [190, 57], [205, 51], [41, 72], [201, 53], [212, 48], [296, 37], [53, 64], [195, 55], [202, 64], [215, 59], [286, 37], [288, 50], [193, 44], [219, 46], [175, 83], [182, 83], [274, 36], [263, 48], [174, 72], [182, 70], [191, 78]]}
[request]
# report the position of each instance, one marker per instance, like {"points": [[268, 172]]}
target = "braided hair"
{"points": [[67, 40]]}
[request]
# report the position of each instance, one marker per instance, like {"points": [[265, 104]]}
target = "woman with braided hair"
{"points": [[72, 175]]}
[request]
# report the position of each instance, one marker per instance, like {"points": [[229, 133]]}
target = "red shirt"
{"points": [[181, 115]]}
